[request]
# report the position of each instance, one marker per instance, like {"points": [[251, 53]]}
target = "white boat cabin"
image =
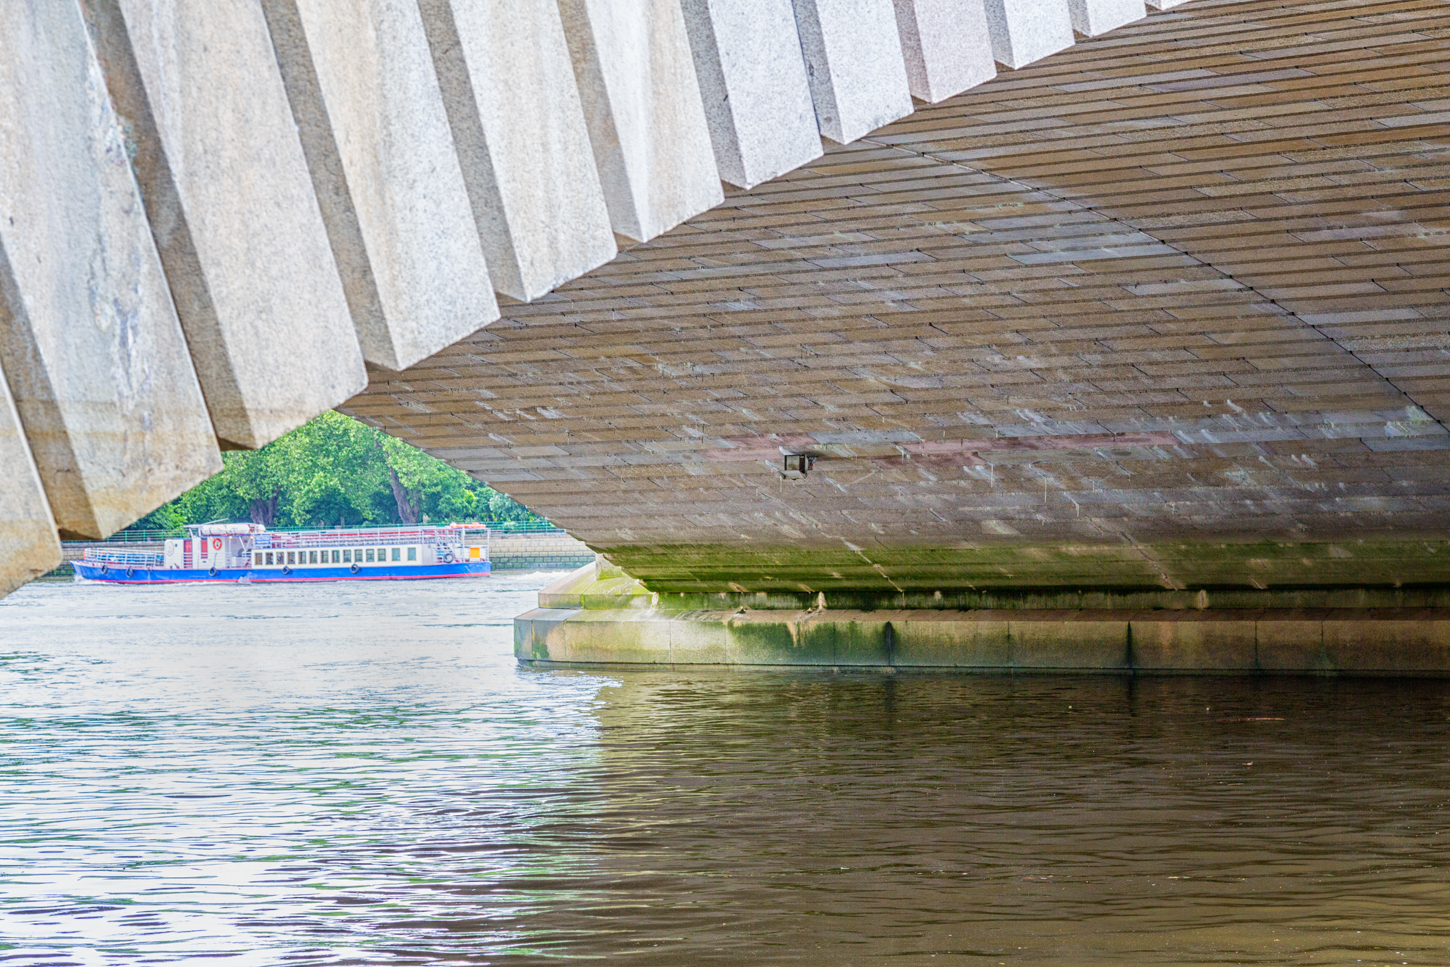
{"points": [[252, 547]]}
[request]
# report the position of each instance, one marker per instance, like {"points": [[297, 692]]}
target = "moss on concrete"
{"points": [[1360, 573]]}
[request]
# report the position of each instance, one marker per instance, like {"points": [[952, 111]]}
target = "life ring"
{"points": [[286, 569], [130, 571], [105, 568], [216, 543], [211, 572], [353, 569], [447, 557]]}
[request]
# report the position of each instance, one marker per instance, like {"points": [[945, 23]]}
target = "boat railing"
{"points": [[124, 558], [295, 539]]}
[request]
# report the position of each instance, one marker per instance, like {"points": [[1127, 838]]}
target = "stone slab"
{"points": [[1403, 644], [1165, 4], [644, 111], [519, 128], [29, 546], [535, 631], [361, 83], [98, 366], [947, 46], [699, 642], [1024, 31], [1093, 17], [1291, 640], [953, 639], [1202, 641], [855, 65], [1072, 641], [231, 206], [753, 81]]}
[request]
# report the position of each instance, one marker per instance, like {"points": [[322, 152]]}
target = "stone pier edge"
{"points": [[1399, 642], [600, 619]]}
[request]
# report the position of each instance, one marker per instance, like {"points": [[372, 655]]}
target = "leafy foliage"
{"points": [[335, 470]]}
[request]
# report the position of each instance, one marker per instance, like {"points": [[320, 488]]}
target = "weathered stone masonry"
{"points": [[213, 212], [1158, 323]]}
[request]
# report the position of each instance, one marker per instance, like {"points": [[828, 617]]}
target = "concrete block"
{"points": [[539, 634], [854, 61], [1291, 641], [99, 369], [752, 78], [1024, 31], [1093, 17], [1388, 642], [370, 114], [845, 637], [768, 638], [28, 543], [231, 206], [1198, 641], [696, 641], [625, 637], [518, 125], [952, 640], [947, 46], [644, 111], [1062, 641]]}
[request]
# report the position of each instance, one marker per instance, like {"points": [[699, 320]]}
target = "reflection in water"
{"points": [[361, 774]]}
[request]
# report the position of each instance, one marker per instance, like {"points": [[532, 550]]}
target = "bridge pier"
{"points": [[598, 616]]}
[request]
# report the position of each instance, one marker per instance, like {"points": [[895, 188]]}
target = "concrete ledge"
{"points": [[1409, 641]]}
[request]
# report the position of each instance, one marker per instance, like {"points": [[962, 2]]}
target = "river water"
{"points": [[360, 774]]}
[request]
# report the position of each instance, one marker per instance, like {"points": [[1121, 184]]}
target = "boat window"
{"points": [[397, 553], [412, 553], [382, 553], [347, 556], [370, 555], [291, 557], [336, 556], [311, 557], [269, 558], [257, 558]]}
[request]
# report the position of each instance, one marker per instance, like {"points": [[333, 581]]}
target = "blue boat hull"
{"points": [[120, 574]]}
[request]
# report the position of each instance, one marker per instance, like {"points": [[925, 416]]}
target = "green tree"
{"points": [[336, 471]]}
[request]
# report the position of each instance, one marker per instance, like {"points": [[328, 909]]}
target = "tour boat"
{"points": [[250, 554]]}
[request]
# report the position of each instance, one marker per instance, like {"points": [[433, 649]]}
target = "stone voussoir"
{"points": [[98, 367], [226, 187]]}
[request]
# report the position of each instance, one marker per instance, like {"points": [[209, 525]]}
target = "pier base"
{"points": [[600, 617]]}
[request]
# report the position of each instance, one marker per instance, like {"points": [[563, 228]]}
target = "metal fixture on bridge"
{"points": [[795, 466]]}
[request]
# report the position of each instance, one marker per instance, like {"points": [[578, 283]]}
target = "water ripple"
{"points": [[362, 775]]}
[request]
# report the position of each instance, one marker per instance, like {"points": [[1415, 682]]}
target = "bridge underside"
{"points": [[1166, 312]]}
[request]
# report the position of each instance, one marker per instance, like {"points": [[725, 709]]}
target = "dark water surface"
{"points": [[361, 774]]}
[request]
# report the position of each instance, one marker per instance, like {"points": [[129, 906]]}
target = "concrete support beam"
{"points": [[947, 46], [1093, 17], [1024, 31], [28, 543], [519, 127], [98, 365], [753, 80], [232, 209], [854, 61], [646, 119], [387, 178]]}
